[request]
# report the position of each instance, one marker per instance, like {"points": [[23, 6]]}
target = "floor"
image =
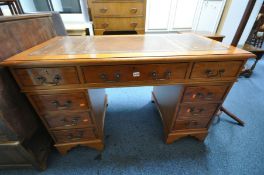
{"points": [[134, 145]]}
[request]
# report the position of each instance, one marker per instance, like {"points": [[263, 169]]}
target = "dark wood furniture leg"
{"points": [[248, 72], [231, 115]]}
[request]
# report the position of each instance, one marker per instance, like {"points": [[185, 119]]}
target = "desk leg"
{"points": [[248, 72]]}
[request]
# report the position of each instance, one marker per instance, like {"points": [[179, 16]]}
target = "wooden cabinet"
{"points": [[116, 15], [183, 15]]}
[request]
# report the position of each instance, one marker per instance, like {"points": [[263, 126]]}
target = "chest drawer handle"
{"points": [[117, 77], [66, 105], [133, 24], [43, 80], [155, 76], [105, 25], [103, 10], [133, 10]]}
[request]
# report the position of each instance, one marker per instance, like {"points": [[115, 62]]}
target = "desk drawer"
{"points": [[69, 119], [116, 24], [197, 110], [119, 9], [59, 102], [127, 73], [47, 76], [204, 93], [216, 70], [191, 124], [74, 135]]}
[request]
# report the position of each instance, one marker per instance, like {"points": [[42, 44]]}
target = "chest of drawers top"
{"points": [[127, 49]]}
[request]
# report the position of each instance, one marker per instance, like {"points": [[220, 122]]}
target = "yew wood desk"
{"points": [[64, 79]]}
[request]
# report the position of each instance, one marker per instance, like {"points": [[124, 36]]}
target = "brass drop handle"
{"points": [[221, 72], [104, 77], [209, 96], [193, 122], [155, 76], [133, 10], [195, 112], [133, 24], [66, 105], [105, 25], [77, 137], [43, 80], [210, 74], [103, 10]]}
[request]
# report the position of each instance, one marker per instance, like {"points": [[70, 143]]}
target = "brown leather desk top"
{"points": [[174, 47]]}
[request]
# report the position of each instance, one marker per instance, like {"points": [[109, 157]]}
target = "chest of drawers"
{"points": [[64, 79], [118, 15]]}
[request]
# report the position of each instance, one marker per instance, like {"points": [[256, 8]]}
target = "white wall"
{"points": [[232, 17]]}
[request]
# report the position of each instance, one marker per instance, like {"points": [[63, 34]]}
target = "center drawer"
{"points": [[69, 119], [61, 101], [127, 73], [118, 9], [74, 135]]}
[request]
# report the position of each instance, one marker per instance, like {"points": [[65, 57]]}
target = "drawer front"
{"points": [[116, 24], [197, 110], [128, 9], [69, 119], [204, 93], [74, 135], [191, 124], [47, 76], [58, 102], [216, 70], [127, 73]]}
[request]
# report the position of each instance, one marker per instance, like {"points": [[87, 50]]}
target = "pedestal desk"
{"points": [[64, 79]]}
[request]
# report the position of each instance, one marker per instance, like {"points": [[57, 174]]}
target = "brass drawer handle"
{"points": [[200, 95], [210, 74], [133, 10], [104, 77], [195, 112], [77, 137], [221, 72], [105, 25], [155, 76], [133, 24], [57, 104], [73, 122], [43, 80], [103, 10]]}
